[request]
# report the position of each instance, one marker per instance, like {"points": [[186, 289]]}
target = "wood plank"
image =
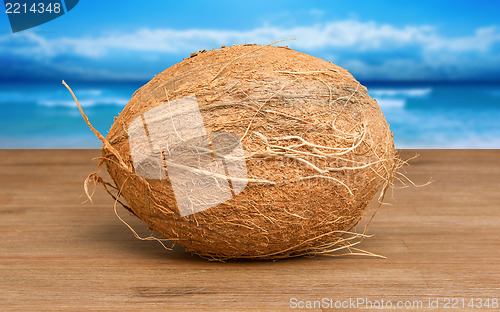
{"points": [[441, 240]]}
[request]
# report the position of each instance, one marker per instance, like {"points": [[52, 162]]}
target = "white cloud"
{"points": [[349, 34], [341, 36], [317, 12]]}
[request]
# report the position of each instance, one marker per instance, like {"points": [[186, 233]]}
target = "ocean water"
{"points": [[421, 115], [441, 115]]}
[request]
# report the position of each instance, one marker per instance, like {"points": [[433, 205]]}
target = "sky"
{"points": [[375, 40]]}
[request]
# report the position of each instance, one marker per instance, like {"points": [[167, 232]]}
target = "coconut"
{"points": [[251, 152]]}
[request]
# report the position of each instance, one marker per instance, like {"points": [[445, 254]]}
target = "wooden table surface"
{"points": [[441, 241]]}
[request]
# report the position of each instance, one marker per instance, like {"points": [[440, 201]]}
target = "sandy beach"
{"points": [[440, 241]]}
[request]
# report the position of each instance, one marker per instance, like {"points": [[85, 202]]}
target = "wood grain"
{"points": [[442, 240]]}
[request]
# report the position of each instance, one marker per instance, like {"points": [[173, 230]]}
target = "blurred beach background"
{"points": [[434, 67]]}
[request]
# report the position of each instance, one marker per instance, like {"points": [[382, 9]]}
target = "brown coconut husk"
{"points": [[317, 150]]}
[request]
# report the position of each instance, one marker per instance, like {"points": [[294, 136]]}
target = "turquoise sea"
{"points": [[421, 115]]}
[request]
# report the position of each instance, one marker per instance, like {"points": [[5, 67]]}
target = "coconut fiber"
{"points": [[315, 145]]}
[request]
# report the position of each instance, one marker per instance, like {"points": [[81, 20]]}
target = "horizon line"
{"points": [[362, 81]]}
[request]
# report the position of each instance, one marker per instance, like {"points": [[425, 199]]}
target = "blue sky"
{"points": [[374, 40]]}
